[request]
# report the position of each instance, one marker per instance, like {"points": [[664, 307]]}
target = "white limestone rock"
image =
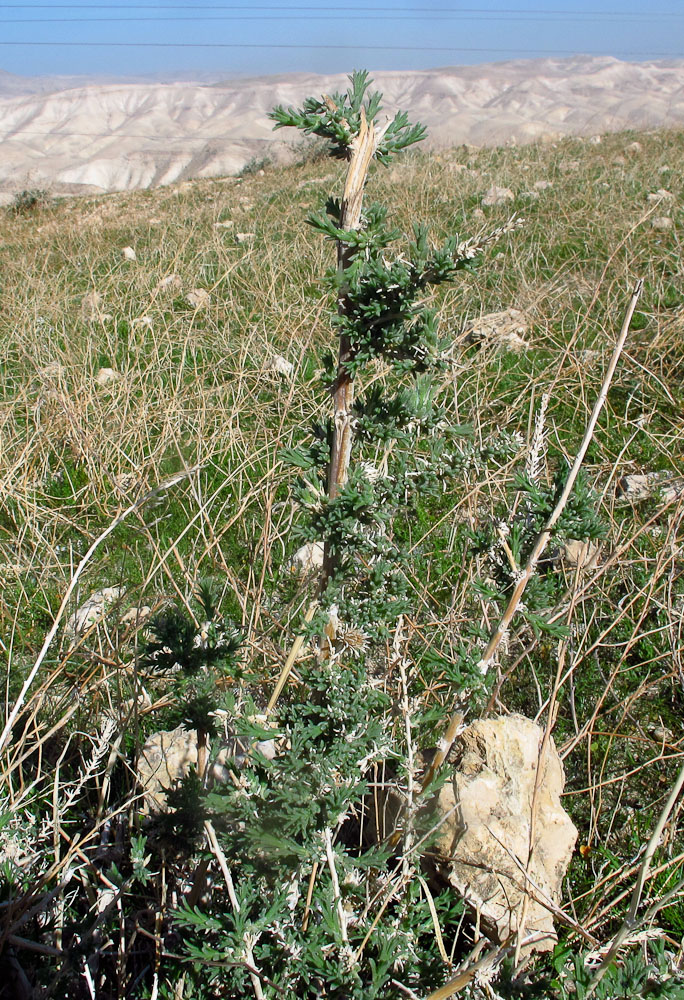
{"points": [[91, 612], [107, 375], [497, 196], [281, 366], [581, 556], [307, 559], [662, 486], [504, 330], [199, 298], [486, 807], [660, 195], [170, 283]]}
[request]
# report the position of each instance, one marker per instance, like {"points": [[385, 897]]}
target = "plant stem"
{"points": [[362, 150]]}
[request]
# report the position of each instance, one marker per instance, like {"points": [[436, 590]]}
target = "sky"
{"points": [[223, 38]]}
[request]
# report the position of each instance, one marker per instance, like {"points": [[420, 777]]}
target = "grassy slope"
{"points": [[196, 390]]}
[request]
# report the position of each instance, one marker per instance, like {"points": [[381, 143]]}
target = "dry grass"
{"points": [[195, 393]]}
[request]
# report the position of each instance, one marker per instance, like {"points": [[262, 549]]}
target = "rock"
{"points": [[134, 616], [199, 298], [649, 485], [307, 559], [581, 555], [226, 224], [91, 612], [91, 305], [171, 282], [107, 375], [497, 196], [461, 168], [595, 140], [54, 369], [634, 148], [126, 482], [168, 756], [543, 185], [662, 223], [499, 329], [660, 195], [618, 161], [487, 815], [164, 760], [281, 366], [128, 253], [244, 237]]}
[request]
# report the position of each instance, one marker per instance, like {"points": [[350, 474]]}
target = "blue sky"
{"points": [[226, 37]]}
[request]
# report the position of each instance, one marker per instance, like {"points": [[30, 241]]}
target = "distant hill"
{"points": [[72, 135]]}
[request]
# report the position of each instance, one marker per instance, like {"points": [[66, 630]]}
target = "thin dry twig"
{"points": [[447, 740]]}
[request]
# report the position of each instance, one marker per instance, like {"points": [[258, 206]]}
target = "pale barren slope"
{"points": [[133, 135]]}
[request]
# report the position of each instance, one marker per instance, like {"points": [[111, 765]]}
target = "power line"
{"points": [[364, 15], [345, 10], [346, 48]]}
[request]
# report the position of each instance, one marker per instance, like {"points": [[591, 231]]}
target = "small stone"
{"points": [[477, 213], [199, 298], [91, 305], [244, 237], [660, 195], [619, 161], [171, 282], [128, 253], [665, 169], [107, 375], [634, 148], [595, 140], [165, 759], [307, 559], [672, 491], [649, 485], [142, 321], [91, 611], [134, 616], [267, 748], [461, 168], [282, 366], [226, 224], [581, 555], [504, 329], [543, 185], [126, 482], [531, 194], [497, 196], [662, 223], [54, 369]]}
